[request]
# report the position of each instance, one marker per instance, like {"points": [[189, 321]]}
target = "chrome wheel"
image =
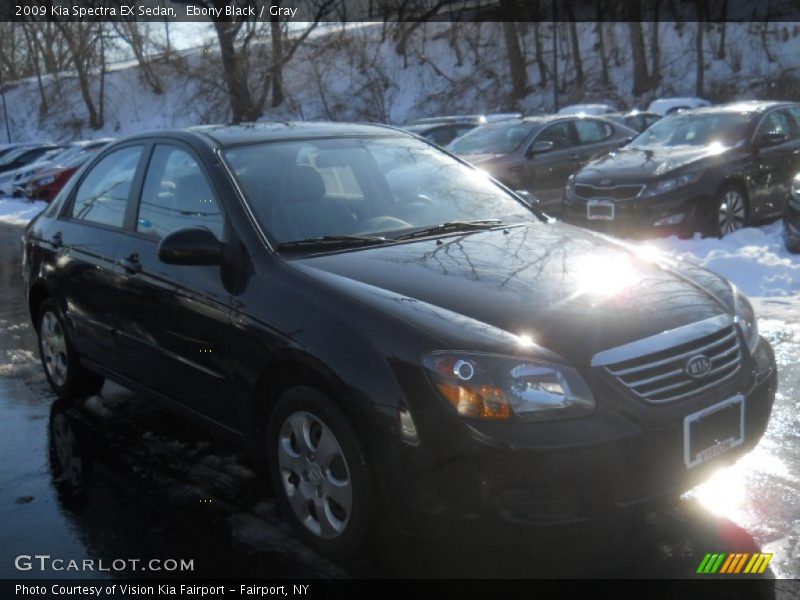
{"points": [[315, 475], [54, 348], [732, 212]]}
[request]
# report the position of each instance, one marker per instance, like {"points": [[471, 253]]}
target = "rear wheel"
{"points": [[319, 472], [731, 211], [62, 367]]}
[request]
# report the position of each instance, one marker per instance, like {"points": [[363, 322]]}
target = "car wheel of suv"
{"points": [[62, 367], [319, 472], [731, 212]]}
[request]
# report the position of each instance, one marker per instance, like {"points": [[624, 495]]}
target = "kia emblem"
{"points": [[698, 366]]}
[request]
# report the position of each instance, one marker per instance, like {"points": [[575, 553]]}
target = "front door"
{"points": [[545, 173], [175, 318]]}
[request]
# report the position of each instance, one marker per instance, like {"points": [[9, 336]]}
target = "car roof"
{"points": [[745, 106], [233, 135]]}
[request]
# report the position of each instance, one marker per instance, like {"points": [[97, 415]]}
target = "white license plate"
{"points": [[712, 431], [600, 210]]}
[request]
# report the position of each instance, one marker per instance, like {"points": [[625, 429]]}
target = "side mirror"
{"points": [[527, 197], [190, 246], [539, 148], [772, 138]]}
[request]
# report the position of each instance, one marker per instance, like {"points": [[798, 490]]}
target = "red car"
{"points": [[46, 185]]}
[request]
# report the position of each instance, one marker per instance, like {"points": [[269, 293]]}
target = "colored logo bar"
{"points": [[734, 563]]}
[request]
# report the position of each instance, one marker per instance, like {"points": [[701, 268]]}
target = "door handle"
{"points": [[56, 240], [131, 264]]}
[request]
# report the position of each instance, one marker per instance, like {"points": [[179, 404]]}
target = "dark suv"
{"points": [[712, 170], [405, 340]]}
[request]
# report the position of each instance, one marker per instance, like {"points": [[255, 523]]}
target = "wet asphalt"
{"points": [[119, 478]]}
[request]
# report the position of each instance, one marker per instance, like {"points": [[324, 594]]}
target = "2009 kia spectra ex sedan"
{"points": [[405, 339]]}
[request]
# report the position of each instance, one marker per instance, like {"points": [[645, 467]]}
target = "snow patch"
{"points": [[754, 259]]}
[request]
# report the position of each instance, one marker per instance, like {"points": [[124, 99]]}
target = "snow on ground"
{"points": [[19, 212], [754, 259]]}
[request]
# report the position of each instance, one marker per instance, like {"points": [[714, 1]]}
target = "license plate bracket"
{"points": [[712, 431], [600, 209]]}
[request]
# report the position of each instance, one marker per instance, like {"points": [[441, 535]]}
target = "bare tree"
{"points": [[135, 35], [86, 44], [574, 44]]}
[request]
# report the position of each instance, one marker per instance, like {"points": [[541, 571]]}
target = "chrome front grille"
{"points": [[616, 192], [662, 376]]}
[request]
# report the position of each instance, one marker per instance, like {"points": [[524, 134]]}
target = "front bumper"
{"points": [[640, 215], [499, 483]]}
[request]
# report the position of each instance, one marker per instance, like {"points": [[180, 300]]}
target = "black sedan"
{"points": [[791, 217], [712, 170], [428, 351]]}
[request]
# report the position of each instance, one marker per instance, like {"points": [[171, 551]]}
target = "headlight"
{"points": [[668, 185], [746, 318], [794, 193], [501, 388], [46, 180]]}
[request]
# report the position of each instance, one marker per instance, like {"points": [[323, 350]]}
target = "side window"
{"points": [[462, 129], [794, 112], [776, 122], [103, 194], [440, 136], [562, 134], [593, 132], [176, 195]]}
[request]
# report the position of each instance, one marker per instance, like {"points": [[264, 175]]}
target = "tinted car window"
{"points": [[794, 111], [176, 195], [103, 194], [776, 122], [440, 135], [562, 135], [592, 132], [695, 130]]}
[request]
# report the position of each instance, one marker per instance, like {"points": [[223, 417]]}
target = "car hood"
{"points": [[569, 290], [638, 165]]}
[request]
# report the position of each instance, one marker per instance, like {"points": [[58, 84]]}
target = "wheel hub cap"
{"points": [[731, 212], [54, 348], [315, 475]]}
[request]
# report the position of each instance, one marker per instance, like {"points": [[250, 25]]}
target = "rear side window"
{"points": [[592, 132], [776, 122], [103, 194], [440, 136], [176, 195]]}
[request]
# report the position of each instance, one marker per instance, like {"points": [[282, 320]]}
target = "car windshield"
{"points": [[9, 158], [81, 157], [382, 186], [727, 129], [497, 138]]}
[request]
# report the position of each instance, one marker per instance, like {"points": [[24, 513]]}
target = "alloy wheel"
{"points": [[54, 348], [315, 475], [732, 212]]}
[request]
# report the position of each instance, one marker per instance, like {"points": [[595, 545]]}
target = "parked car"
{"points": [[47, 184], [10, 179], [636, 120], [440, 357], [7, 148], [587, 109], [72, 157], [713, 170], [537, 154], [667, 106], [791, 217], [443, 130], [24, 155]]}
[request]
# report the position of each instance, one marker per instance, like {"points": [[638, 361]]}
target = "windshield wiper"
{"points": [[450, 227], [325, 241]]}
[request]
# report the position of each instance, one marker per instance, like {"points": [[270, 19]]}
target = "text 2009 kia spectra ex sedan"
{"points": [[405, 339]]}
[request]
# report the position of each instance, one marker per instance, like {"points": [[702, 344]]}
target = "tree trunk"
{"points": [[277, 61], [698, 47], [516, 62], [655, 48], [537, 42], [601, 44], [234, 73], [575, 43], [641, 78]]}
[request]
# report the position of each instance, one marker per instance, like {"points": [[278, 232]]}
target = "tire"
{"points": [[731, 211], [328, 499], [61, 363]]}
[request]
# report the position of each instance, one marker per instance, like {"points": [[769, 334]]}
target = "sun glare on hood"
{"points": [[604, 275]]}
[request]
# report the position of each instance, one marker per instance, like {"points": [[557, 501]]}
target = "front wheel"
{"points": [[731, 211], [66, 376], [319, 472]]}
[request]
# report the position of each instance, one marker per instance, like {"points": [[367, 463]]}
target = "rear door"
{"points": [[595, 137], [545, 174], [85, 239], [175, 318]]}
